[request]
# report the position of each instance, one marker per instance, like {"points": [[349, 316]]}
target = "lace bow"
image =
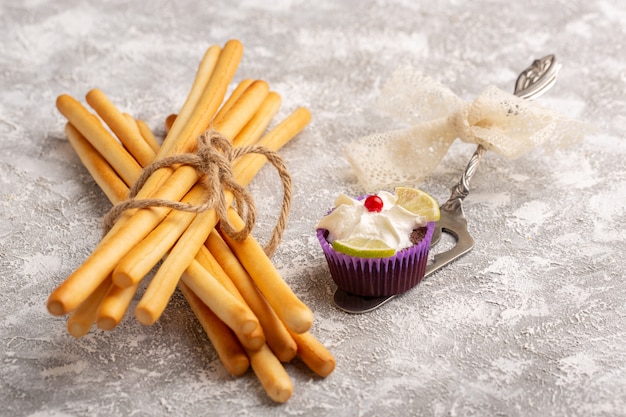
{"points": [[499, 121]]}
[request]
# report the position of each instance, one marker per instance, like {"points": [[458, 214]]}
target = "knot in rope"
{"points": [[213, 160]]}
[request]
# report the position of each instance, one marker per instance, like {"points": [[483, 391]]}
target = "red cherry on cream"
{"points": [[374, 203]]}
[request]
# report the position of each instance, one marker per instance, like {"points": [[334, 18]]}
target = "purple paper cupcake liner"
{"points": [[378, 277]]}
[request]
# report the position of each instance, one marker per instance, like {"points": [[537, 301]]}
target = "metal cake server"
{"points": [[531, 83]]}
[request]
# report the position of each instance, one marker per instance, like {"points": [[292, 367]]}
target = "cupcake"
{"points": [[377, 245]]}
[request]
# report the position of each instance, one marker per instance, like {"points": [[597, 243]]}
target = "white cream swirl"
{"points": [[351, 219]]}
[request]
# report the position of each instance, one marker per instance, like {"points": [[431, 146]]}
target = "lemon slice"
{"points": [[418, 202], [363, 248]]}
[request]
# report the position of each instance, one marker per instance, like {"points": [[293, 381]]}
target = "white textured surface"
{"points": [[531, 323]]}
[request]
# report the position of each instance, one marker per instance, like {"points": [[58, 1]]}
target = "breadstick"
{"points": [[132, 124], [128, 231], [114, 305], [169, 121], [238, 115], [143, 257], [210, 266], [195, 114], [198, 88], [314, 354], [105, 176], [113, 247], [246, 167], [206, 106], [138, 262], [234, 96], [162, 285], [208, 262], [184, 251], [129, 135], [126, 234], [147, 135], [291, 310], [254, 340], [222, 338], [260, 121], [81, 319], [270, 107], [233, 312], [276, 334], [279, 393], [271, 373], [198, 110], [142, 130], [180, 182], [128, 169]]}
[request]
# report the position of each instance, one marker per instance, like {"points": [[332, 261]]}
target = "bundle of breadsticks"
{"points": [[250, 315]]}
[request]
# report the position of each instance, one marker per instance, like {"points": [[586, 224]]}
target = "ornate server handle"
{"points": [[531, 83]]}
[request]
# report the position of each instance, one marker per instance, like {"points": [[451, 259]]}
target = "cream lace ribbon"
{"points": [[499, 121]]}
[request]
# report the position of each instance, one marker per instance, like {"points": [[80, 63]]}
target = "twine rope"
{"points": [[213, 160]]}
